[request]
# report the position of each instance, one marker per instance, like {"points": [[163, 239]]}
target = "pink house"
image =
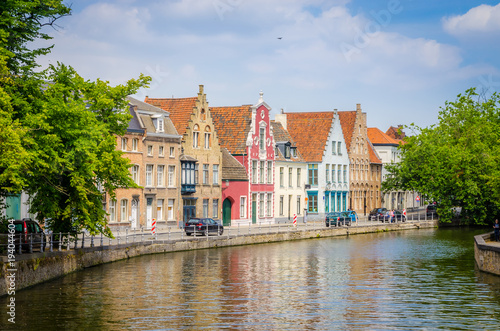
{"points": [[246, 133]]}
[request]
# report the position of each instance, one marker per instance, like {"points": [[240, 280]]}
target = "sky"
{"points": [[400, 59]]}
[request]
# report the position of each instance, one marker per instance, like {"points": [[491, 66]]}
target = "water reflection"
{"points": [[421, 279]]}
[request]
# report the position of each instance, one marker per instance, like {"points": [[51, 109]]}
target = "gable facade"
{"points": [[365, 165], [246, 133], [201, 156], [320, 140]]}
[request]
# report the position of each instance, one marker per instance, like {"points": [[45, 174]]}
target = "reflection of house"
{"points": [[319, 139], [152, 145], [290, 173], [201, 156], [234, 190], [245, 131], [366, 167], [387, 149]]}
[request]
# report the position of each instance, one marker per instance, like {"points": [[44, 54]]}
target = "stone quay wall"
{"points": [[32, 269], [487, 253]]}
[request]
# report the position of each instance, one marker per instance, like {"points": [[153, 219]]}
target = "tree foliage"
{"points": [[457, 161], [57, 130]]}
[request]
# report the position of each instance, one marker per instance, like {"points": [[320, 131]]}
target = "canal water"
{"points": [[418, 279]]}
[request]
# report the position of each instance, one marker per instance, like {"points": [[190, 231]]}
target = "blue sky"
{"points": [[400, 59]]}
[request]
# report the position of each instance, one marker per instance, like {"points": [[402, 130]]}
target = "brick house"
{"points": [[366, 166], [245, 131], [152, 145], [320, 140], [200, 157]]}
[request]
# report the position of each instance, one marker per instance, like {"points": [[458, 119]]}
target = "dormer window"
{"points": [[294, 151], [287, 151], [158, 123]]}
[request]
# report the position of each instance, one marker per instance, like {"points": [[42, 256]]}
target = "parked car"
{"points": [[377, 214], [338, 218], [26, 232], [203, 226], [352, 215], [431, 210], [398, 217]]}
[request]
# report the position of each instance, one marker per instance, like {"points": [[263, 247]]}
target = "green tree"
{"points": [[57, 130], [457, 161]]}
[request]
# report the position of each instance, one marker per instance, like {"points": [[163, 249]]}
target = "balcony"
{"points": [[188, 188]]}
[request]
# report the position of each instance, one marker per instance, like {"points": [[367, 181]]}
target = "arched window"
{"points": [[207, 137], [196, 136], [124, 210]]}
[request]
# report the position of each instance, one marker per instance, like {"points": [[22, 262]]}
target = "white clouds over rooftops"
{"points": [[235, 52], [481, 19]]}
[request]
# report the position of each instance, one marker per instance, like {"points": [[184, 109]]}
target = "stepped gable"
{"points": [[310, 131], [347, 121], [232, 125], [180, 110]]}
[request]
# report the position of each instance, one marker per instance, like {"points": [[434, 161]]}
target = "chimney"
{"points": [[358, 107], [201, 89]]}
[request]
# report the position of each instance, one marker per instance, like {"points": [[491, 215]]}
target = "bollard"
{"points": [[76, 241], [67, 246], [142, 234], [20, 244], [259, 227], [41, 243], [83, 239], [249, 227], [133, 236], [169, 232], [92, 241], [102, 240], [51, 241], [60, 241], [31, 243]]}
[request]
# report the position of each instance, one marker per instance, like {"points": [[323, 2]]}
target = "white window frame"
{"points": [[150, 150], [170, 209], [206, 169], [160, 175], [159, 209], [149, 175], [124, 210], [215, 208], [215, 174], [243, 207], [135, 144], [171, 176], [135, 173], [124, 144], [161, 150], [205, 207], [172, 152], [112, 210]]}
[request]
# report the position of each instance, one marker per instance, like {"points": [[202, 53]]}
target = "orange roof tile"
{"points": [[310, 132], [180, 110], [232, 125], [347, 121], [373, 155], [377, 137]]}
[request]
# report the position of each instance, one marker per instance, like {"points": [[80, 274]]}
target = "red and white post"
{"points": [[295, 220]]}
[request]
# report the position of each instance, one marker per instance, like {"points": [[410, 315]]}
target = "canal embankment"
{"points": [[487, 253], [35, 268]]}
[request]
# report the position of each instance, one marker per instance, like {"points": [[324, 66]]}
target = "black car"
{"points": [[378, 214], [26, 232], [203, 226]]}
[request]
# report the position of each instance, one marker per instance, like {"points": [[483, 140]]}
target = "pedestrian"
{"points": [[392, 215], [496, 226]]}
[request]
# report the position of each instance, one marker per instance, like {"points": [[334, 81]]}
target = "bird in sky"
{"points": [[280, 38]]}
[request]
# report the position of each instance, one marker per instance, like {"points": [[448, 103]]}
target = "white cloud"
{"points": [[481, 19]]}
